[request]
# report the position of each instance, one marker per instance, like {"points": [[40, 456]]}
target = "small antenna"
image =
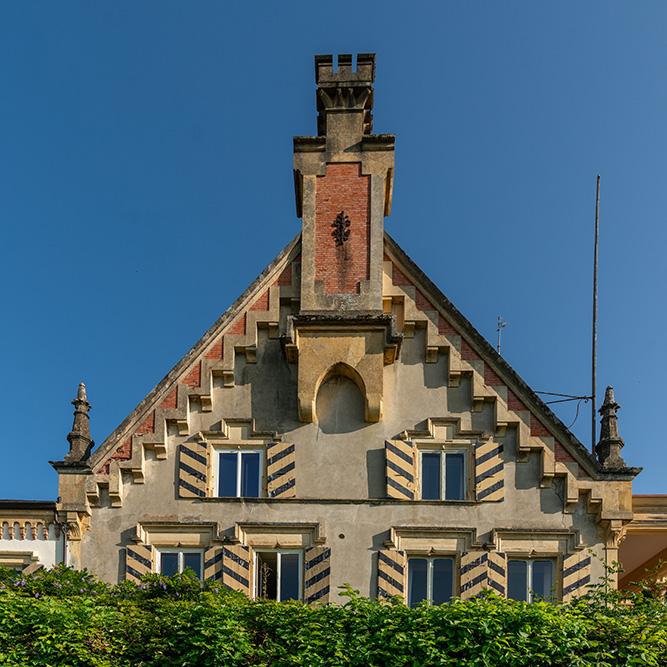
{"points": [[595, 316], [501, 324]]}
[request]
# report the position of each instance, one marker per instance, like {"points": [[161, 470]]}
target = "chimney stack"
{"points": [[343, 182]]}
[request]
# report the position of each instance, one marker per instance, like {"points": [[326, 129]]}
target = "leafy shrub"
{"points": [[59, 582], [47, 620]]}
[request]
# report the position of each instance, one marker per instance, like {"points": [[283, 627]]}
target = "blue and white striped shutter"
{"points": [[474, 573], [138, 561], [213, 563], [280, 470], [192, 470], [391, 573], [317, 578], [497, 572], [576, 574], [401, 469], [236, 568], [489, 471]]}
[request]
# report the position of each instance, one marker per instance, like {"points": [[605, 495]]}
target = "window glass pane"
{"points": [[169, 564], [193, 561], [517, 583], [267, 575], [454, 480], [250, 475], [430, 476], [443, 580], [227, 475], [542, 579], [289, 577], [417, 587]]}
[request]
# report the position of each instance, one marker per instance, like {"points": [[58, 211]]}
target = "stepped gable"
{"points": [[423, 305], [235, 332], [353, 296]]}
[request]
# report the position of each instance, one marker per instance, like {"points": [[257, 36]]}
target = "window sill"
{"points": [[342, 501]]}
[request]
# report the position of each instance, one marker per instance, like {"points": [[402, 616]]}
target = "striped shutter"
{"points": [[280, 474], [317, 577], [213, 563], [391, 573], [192, 470], [401, 469], [236, 573], [31, 568], [474, 573], [497, 572], [489, 471], [576, 574], [138, 561]]}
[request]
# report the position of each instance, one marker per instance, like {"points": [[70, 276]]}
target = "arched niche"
{"points": [[356, 355], [340, 406]]}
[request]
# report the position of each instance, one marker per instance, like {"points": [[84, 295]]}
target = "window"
{"points": [[278, 575], [530, 579], [443, 475], [239, 474], [171, 561], [430, 579]]}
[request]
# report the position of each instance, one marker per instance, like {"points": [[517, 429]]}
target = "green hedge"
{"points": [[66, 617]]}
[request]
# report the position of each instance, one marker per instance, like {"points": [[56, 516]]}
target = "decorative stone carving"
{"points": [[610, 445], [341, 232], [80, 442]]}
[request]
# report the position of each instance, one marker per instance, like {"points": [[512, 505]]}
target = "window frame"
{"points": [[554, 593], [443, 450], [180, 551], [239, 451], [430, 560], [257, 553]]}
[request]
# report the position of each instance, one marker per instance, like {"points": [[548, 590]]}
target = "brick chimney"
{"points": [[343, 181]]}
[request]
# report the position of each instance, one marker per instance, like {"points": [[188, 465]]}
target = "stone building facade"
{"points": [[342, 422], [31, 536]]}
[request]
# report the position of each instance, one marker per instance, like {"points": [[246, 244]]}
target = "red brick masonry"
{"points": [[342, 267]]}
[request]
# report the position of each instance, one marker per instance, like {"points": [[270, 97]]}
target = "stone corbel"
{"points": [[355, 347], [77, 523]]}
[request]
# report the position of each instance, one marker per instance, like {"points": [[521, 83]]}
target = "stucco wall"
{"points": [[340, 475]]}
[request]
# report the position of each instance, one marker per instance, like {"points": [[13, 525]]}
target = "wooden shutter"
{"points": [[474, 573], [138, 561], [317, 579], [489, 471], [391, 573], [576, 574], [213, 563], [497, 572], [192, 470], [236, 572], [280, 473], [401, 469]]}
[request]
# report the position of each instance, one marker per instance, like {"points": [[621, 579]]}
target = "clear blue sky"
{"points": [[146, 180]]}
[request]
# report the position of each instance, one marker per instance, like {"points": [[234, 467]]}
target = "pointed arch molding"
{"points": [[356, 347]]}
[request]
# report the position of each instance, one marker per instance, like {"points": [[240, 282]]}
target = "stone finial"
{"points": [[345, 91], [610, 445], [80, 442]]}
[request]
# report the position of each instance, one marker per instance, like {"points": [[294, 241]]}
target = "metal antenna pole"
{"points": [[501, 324], [595, 317]]}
